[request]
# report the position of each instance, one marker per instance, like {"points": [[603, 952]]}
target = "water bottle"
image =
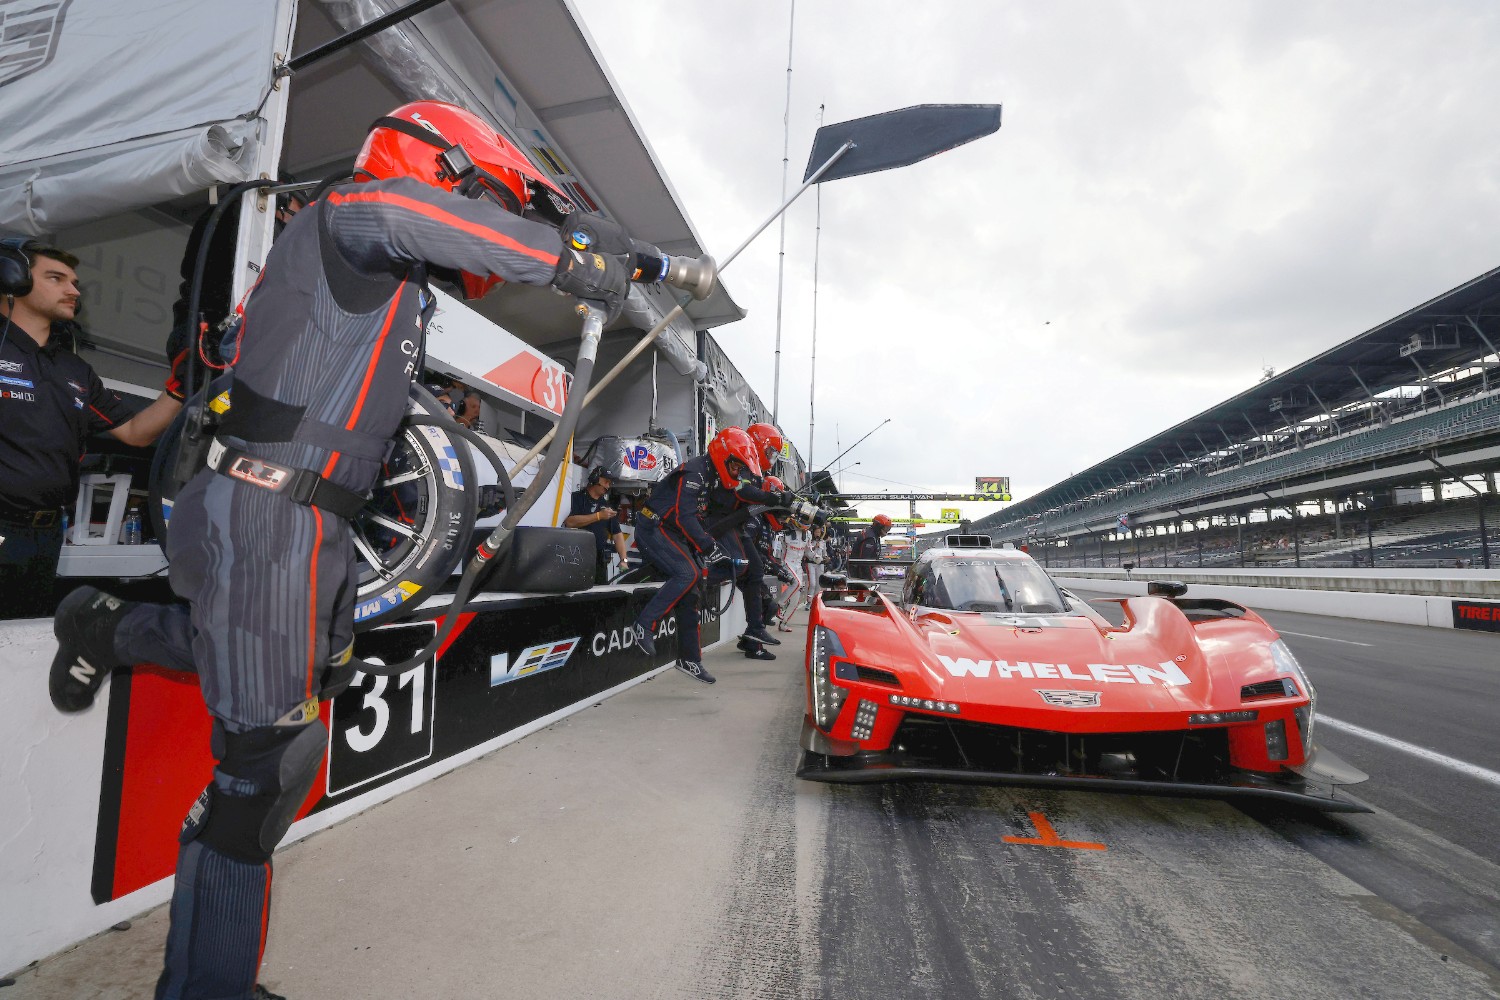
{"points": [[133, 527]]}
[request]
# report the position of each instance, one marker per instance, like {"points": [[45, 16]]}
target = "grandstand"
{"points": [[1382, 450]]}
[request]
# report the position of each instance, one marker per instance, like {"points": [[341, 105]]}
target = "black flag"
{"points": [[899, 138]]}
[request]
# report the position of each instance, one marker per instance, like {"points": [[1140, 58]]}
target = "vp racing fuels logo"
{"points": [[531, 660], [29, 32], [640, 458]]}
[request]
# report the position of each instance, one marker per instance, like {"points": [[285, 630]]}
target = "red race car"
{"points": [[985, 670]]}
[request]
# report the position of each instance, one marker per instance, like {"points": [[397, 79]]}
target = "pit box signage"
{"points": [[562, 650]]}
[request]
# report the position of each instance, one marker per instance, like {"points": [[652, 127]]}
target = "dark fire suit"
{"points": [[866, 546], [747, 570], [669, 532], [330, 339]]}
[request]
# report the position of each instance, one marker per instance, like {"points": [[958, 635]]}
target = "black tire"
{"points": [[412, 533]]}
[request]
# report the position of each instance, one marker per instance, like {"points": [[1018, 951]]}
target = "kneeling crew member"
{"points": [[591, 511], [261, 543], [670, 534]]}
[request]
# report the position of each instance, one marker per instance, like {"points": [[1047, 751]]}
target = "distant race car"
{"points": [[986, 670]]}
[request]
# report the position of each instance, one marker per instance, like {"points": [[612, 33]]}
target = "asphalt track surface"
{"points": [[657, 845]]}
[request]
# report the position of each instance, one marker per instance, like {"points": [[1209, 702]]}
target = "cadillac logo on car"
{"points": [[1070, 699]]}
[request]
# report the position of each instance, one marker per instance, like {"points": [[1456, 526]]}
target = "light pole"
{"points": [[857, 443]]}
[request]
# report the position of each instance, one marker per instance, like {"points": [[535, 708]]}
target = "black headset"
{"points": [[15, 266], [597, 473]]}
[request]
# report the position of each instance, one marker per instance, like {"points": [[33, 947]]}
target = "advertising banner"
{"points": [[511, 662], [1477, 616], [998, 486]]}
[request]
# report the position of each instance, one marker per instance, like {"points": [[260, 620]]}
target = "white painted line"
{"points": [[1325, 638], [1462, 767]]}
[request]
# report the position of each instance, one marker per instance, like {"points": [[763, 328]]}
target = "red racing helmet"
{"points": [[883, 522], [733, 443], [768, 439], [452, 149]]}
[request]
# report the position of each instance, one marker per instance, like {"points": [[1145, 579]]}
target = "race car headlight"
{"points": [[925, 704], [1219, 718], [1305, 716], [827, 697]]}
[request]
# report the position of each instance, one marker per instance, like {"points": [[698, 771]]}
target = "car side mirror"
{"points": [[833, 581], [1166, 588]]}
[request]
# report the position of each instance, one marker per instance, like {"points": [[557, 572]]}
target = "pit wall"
{"points": [[93, 801], [1440, 599]]}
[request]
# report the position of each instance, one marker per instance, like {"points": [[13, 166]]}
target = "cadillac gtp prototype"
{"points": [[986, 670]]}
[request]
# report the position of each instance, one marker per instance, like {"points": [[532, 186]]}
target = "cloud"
{"points": [[1180, 192]]}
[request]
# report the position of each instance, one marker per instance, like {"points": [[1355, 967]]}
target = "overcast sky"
{"points": [[1181, 193]]}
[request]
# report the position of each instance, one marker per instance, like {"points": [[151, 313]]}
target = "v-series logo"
{"points": [[1166, 673]]}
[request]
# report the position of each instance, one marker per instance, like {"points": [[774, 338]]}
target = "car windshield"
{"points": [[991, 585]]}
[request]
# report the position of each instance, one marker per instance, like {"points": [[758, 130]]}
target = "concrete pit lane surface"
{"points": [[658, 846]]}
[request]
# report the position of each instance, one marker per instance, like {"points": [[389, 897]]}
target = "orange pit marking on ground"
{"points": [[1049, 837]]}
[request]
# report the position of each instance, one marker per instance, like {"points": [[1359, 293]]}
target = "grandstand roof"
{"points": [[1451, 329]]}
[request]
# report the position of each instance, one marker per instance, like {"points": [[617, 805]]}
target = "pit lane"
{"points": [[658, 846]]}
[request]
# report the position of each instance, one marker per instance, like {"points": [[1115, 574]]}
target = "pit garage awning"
{"points": [[182, 81]]}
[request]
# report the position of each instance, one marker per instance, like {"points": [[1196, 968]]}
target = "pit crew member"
{"points": [[591, 511], [867, 546], [727, 511], [50, 402], [670, 533], [261, 543]]}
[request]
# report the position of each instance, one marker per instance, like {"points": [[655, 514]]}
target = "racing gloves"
{"points": [[589, 232], [601, 280]]}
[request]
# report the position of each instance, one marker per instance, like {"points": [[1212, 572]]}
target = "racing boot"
{"points": [[85, 625], [695, 670], [754, 650], [643, 640], [761, 636], [261, 993]]}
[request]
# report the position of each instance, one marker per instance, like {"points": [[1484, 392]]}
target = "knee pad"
{"points": [[262, 779]]}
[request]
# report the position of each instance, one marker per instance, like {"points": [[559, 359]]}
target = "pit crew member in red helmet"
{"points": [[770, 442], [867, 546], [728, 513], [671, 535], [261, 543]]}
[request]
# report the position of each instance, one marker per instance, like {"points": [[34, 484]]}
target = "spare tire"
{"points": [[412, 533]]}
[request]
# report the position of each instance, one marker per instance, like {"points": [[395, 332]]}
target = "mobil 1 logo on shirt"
{"points": [[382, 725]]}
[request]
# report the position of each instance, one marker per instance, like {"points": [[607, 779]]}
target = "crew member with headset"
{"points": [[669, 532], [591, 511], [261, 543], [50, 402], [867, 546]]}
